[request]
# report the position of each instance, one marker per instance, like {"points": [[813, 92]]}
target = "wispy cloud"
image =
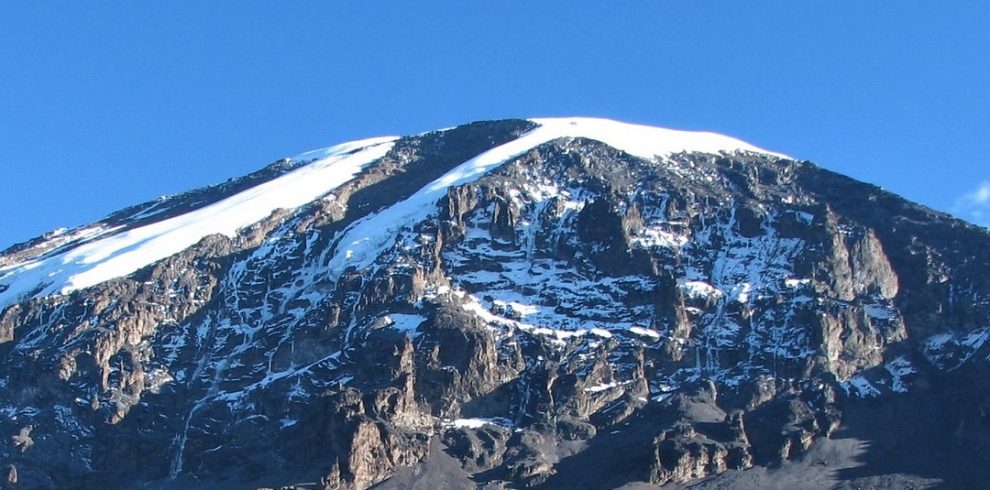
{"points": [[974, 206]]}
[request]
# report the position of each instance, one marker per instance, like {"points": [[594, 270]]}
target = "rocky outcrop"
{"points": [[577, 317]]}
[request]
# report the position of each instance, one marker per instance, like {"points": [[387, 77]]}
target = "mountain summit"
{"points": [[545, 303]]}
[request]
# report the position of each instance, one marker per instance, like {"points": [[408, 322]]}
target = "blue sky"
{"points": [[106, 104]]}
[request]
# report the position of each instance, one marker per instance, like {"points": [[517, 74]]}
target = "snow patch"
{"points": [[157, 378], [645, 332], [477, 423], [898, 369], [605, 386], [740, 292], [880, 312], [516, 309], [656, 237], [700, 290], [408, 324], [794, 283], [950, 350], [859, 386]]}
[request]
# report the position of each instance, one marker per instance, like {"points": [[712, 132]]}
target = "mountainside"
{"points": [[547, 303]]}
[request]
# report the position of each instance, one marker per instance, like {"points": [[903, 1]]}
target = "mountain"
{"points": [[545, 303]]}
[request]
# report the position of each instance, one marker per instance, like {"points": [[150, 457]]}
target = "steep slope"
{"points": [[564, 303]]}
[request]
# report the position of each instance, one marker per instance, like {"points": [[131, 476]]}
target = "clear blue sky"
{"points": [[106, 104]]}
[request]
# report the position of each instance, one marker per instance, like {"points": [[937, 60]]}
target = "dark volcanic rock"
{"points": [[575, 317]]}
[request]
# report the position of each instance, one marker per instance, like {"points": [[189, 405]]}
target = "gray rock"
{"points": [[576, 318]]}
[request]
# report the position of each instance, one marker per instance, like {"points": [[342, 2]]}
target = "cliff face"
{"points": [[575, 316]]}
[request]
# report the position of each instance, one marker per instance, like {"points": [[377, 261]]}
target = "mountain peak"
{"points": [[102, 253], [643, 141], [544, 303]]}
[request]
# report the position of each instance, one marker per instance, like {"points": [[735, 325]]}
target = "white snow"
{"points": [[643, 141], [156, 378], [123, 253], [120, 254], [478, 308], [409, 324], [859, 386], [898, 369], [644, 332], [516, 308], [700, 290], [657, 237], [880, 312], [805, 218], [474, 306], [605, 386], [938, 341], [741, 292], [601, 387], [976, 338], [477, 423], [470, 423], [366, 239], [950, 350]]}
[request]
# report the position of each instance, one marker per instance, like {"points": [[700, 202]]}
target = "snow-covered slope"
{"points": [[362, 243], [497, 290], [119, 254]]}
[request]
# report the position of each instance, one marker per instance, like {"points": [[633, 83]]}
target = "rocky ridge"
{"points": [[517, 304]]}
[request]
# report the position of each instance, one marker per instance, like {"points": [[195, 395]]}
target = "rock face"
{"points": [[570, 313]]}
